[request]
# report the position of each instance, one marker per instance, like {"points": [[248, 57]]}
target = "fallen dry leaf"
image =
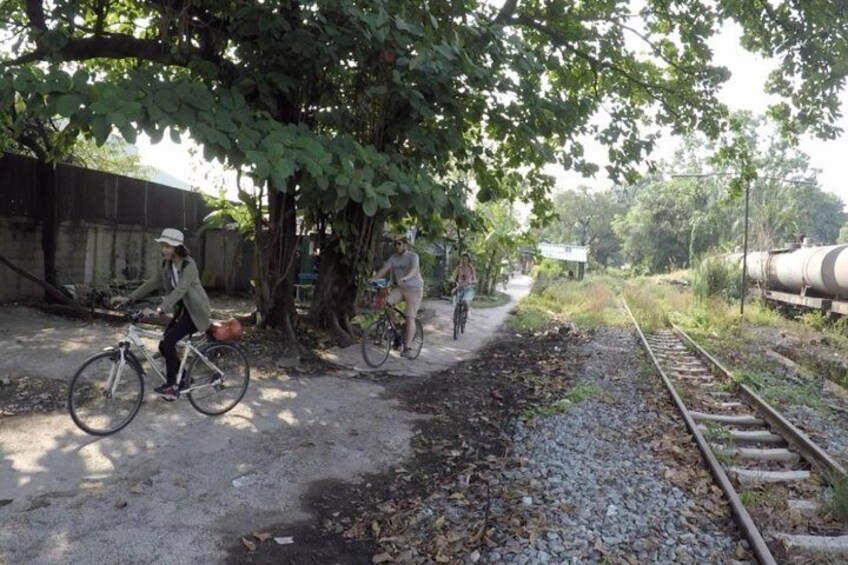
{"points": [[248, 544], [261, 536], [382, 558], [600, 548]]}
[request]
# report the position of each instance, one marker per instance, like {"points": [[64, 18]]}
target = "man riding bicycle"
{"points": [[407, 285], [465, 278]]}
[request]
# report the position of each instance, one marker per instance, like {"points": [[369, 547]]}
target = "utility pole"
{"points": [[745, 253]]}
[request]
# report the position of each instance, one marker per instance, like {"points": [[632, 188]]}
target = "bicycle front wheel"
{"points": [[417, 340], [211, 392], [463, 318], [104, 397], [376, 343], [457, 319]]}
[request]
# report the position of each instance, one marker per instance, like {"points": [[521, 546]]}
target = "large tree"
{"points": [[584, 217], [350, 112]]}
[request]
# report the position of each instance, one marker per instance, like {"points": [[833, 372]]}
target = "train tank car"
{"points": [[812, 277]]}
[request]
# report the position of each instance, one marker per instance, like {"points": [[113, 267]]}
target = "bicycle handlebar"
{"points": [[134, 316]]}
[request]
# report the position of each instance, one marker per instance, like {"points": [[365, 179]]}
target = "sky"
{"points": [[744, 91]]}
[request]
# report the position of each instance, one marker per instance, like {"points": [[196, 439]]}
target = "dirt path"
{"points": [[176, 486]]}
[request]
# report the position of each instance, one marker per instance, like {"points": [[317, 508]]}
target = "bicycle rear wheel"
{"points": [[457, 319], [100, 400], [377, 342], [213, 393], [417, 340], [463, 318]]}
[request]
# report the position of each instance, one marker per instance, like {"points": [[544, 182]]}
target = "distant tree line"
{"points": [[686, 209]]}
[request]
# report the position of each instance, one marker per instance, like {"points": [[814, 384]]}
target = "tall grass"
{"points": [[589, 303], [653, 304], [715, 278]]}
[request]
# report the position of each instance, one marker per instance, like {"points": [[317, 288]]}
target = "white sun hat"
{"points": [[171, 237]]}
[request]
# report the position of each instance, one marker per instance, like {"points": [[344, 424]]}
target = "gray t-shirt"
{"points": [[402, 264]]}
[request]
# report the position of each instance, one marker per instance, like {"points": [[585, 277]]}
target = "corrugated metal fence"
{"points": [[94, 196], [106, 226]]}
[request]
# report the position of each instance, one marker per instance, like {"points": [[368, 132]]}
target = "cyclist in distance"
{"points": [[465, 278], [407, 285], [184, 296]]}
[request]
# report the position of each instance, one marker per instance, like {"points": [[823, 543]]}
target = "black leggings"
{"points": [[175, 331]]}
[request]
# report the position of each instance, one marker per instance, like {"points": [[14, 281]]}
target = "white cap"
{"points": [[171, 237]]}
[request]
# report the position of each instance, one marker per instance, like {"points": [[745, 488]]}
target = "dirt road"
{"points": [[176, 486]]}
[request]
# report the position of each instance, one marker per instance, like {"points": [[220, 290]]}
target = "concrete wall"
{"points": [[20, 242], [227, 261], [86, 253]]}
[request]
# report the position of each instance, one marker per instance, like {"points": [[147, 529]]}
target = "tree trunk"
{"points": [[49, 217], [276, 247], [335, 293], [339, 275]]}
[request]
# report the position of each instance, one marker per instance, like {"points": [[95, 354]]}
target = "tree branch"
{"points": [[35, 14], [507, 11], [658, 52], [124, 47], [650, 88]]}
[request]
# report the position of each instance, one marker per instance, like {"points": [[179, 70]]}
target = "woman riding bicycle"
{"points": [[465, 278], [408, 285], [180, 279]]}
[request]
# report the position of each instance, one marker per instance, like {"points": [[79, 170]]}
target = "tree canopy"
{"points": [[355, 111]]}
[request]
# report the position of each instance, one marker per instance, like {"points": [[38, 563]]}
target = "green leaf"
{"points": [[80, 79], [128, 132], [370, 207], [204, 68], [355, 193], [156, 134], [68, 104], [166, 101], [262, 167], [282, 170], [224, 121], [101, 128]]}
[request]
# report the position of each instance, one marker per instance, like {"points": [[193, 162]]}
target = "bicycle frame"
{"points": [[133, 337]]}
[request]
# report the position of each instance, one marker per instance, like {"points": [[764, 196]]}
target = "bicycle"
{"points": [[387, 332], [106, 392], [460, 311]]}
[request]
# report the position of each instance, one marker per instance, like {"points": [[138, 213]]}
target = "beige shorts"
{"points": [[411, 296]]}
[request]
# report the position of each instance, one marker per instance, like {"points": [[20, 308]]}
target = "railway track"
{"points": [[778, 481]]}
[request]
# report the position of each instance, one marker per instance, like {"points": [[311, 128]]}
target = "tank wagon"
{"points": [[811, 277]]}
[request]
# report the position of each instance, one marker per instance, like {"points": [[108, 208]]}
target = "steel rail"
{"points": [[740, 513], [807, 447]]}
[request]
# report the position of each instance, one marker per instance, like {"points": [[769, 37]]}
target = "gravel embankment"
{"points": [[614, 478]]}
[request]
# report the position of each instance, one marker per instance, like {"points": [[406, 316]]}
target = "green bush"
{"points": [[815, 319], [548, 269], [715, 277]]}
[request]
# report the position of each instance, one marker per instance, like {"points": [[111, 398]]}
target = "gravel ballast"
{"points": [[609, 478]]}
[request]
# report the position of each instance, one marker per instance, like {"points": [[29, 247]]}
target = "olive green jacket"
{"points": [[188, 289]]}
